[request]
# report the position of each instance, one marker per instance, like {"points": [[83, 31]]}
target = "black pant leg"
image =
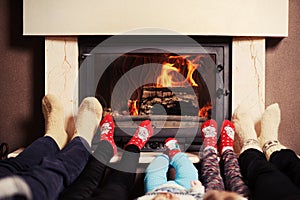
{"points": [[287, 162], [264, 179], [120, 181]]}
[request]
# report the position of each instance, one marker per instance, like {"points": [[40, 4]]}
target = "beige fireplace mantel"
{"points": [[266, 18]]}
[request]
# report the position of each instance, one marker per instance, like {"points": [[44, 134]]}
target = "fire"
{"points": [[168, 74], [165, 79], [133, 108], [205, 111]]}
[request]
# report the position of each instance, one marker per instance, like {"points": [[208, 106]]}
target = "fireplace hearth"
{"points": [[177, 85]]}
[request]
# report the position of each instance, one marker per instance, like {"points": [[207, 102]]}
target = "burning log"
{"points": [[175, 101]]}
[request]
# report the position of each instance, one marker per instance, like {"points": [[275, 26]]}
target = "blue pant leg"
{"points": [[31, 156], [55, 173], [185, 170], [156, 172]]}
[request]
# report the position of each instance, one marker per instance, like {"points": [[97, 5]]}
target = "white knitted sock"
{"points": [[244, 127], [268, 138], [88, 118]]}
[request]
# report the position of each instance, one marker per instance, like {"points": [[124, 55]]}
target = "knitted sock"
{"points": [[209, 134], [88, 118], [107, 128], [227, 136], [172, 147], [54, 115], [269, 130], [142, 134], [244, 128]]}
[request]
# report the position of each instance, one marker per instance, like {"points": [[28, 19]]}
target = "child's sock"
{"points": [[227, 136], [54, 115], [142, 134], [88, 118], [209, 134], [107, 128], [172, 147]]}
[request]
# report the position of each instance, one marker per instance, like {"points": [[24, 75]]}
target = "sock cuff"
{"points": [[270, 147], [251, 144]]}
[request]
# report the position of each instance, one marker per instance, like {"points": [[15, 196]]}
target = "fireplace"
{"points": [[204, 18], [177, 82]]}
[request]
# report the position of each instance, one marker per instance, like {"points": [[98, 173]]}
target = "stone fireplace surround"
{"points": [[248, 34]]}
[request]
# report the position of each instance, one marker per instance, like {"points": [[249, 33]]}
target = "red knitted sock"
{"points": [[209, 133], [172, 147], [142, 134], [227, 136], [107, 128]]}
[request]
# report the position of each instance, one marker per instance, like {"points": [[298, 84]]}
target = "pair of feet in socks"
{"points": [[141, 136], [209, 130]]}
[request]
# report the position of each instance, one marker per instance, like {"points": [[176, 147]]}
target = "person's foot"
{"points": [[227, 136], [88, 118], [268, 138], [142, 134], [54, 115], [209, 130], [172, 147], [244, 128], [107, 128]]}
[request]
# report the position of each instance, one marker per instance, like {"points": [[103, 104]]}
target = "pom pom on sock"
{"points": [[172, 147]]}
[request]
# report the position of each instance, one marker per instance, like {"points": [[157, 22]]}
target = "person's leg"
{"points": [[156, 172], [210, 171], [287, 162], [185, 170], [31, 156], [56, 172], [284, 159], [55, 139], [121, 180], [265, 181], [232, 174], [84, 186]]}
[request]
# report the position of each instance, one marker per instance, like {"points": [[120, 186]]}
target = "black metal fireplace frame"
{"points": [[221, 46]]}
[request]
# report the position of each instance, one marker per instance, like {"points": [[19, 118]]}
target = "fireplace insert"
{"points": [[176, 81]]}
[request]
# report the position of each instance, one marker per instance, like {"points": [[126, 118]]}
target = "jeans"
{"points": [[277, 179], [46, 169], [157, 170]]}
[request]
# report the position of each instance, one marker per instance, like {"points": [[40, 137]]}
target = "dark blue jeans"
{"points": [[45, 168]]}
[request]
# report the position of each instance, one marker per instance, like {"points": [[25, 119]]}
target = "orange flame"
{"points": [[133, 108], [205, 111], [167, 78]]}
